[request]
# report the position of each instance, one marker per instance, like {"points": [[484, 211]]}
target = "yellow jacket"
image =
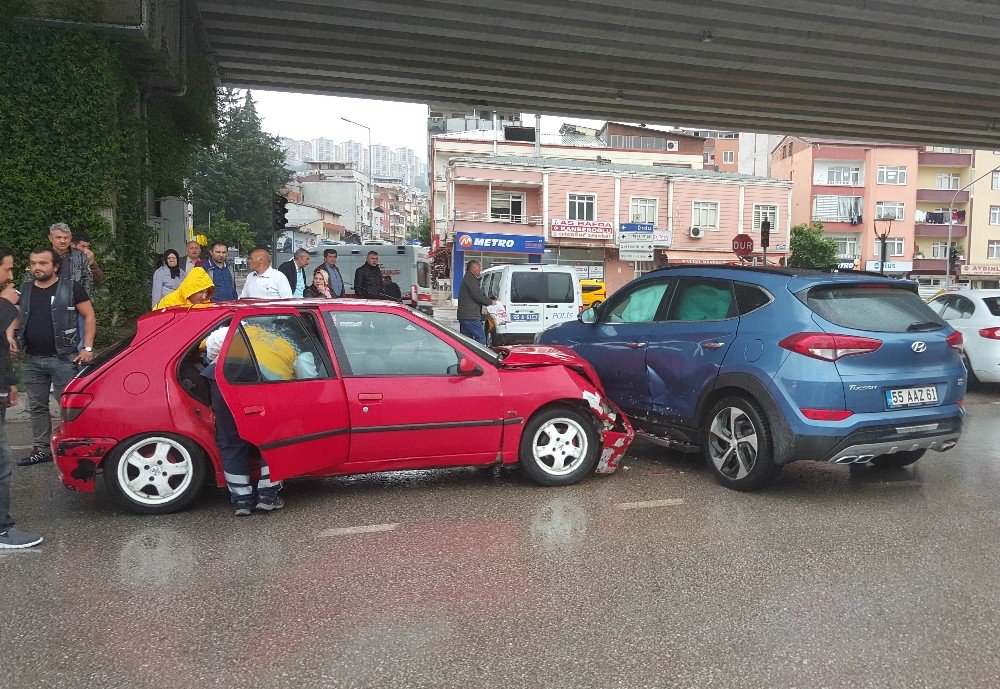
{"points": [[195, 281]]}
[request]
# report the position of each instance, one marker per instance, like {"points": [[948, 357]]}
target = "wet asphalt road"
{"points": [[653, 577]]}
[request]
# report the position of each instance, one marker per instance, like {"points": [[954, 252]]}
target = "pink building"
{"points": [[576, 208]]}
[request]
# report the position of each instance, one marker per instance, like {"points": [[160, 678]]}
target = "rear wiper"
{"points": [[923, 327]]}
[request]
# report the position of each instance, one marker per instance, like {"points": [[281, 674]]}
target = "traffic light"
{"points": [[765, 233], [279, 213]]}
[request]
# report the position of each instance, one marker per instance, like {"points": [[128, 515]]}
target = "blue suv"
{"points": [[759, 367]]}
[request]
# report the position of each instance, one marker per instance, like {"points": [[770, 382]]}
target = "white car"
{"points": [[976, 314]]}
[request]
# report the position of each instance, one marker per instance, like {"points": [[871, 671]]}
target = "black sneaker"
{"points": [[268, 503], [37, 456], [243, 508], [15, 538]]}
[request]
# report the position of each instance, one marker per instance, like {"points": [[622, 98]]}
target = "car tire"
{"points": [[155, 473], [972, 381], [898, 460], [748, 464], [559, 447]]}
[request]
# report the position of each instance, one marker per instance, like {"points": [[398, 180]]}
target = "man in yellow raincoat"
{"points": [[195, 288]]}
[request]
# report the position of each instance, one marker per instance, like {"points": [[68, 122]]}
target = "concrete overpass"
{"points": [[904, 70]]}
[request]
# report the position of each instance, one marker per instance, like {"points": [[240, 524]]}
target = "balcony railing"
{"points": [[944, 159], [939, 230], [942, 195], [514, 219]]}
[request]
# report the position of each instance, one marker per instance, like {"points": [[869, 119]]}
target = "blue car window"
{"points": [[640, 306], [703, 300]]}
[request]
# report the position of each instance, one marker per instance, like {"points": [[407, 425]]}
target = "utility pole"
{"points": [[371, 179]]}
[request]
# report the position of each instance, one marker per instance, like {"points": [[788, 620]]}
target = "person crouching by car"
{"points": [[195, 288], [368, 279], [471, 301]]}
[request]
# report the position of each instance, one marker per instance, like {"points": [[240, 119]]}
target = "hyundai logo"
{"points": [[918, 347]]}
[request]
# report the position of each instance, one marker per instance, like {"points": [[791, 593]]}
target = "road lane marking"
{"points": [[895, 484], [21, 447], [350, 530], [646, 504]]}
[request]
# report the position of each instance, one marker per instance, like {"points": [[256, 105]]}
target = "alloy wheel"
{"points": [[733, 443], [155, 470], [560, 446]]}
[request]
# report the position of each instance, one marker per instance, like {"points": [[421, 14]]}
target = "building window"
{"points": [[996, 179], [844, 175], [729, 156], [643, 210], [894, 245], [847, 247], [705, 214], [641, 143], [939, 250], [993, 249], [837, 208], [892, 174], [582, 207], [889, 210], [994, 215], [945, 149], [762, 211], [643, 267], [948, 180], [506, 207]]}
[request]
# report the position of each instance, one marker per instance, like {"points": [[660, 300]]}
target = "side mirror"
{"points": [[588, 315], [467, 367]]}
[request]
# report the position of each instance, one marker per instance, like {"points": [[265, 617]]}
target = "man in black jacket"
{"points": [[368, 279], [295, 270]]}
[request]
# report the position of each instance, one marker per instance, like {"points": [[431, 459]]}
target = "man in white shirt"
{"points": [[193, 256], [263, 281]]}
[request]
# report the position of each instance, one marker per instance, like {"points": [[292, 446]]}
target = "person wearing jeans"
{"points": [[49, 335], [471, 301]]}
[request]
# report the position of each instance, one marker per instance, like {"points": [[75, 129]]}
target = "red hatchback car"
{"points": [[372, 387]]}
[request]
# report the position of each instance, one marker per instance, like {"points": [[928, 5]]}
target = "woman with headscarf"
{"points": [[168, 276], [195, 288], [320, 288]]}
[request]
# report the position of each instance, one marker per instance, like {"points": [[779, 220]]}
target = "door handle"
{"points": [[255, 409], [370, 397], [714, 345], [635, 345]]}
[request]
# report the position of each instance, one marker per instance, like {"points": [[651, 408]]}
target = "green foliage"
{"points": [[810, 249], [421, 232], [76, 151], [232, 232], [241, 171]]}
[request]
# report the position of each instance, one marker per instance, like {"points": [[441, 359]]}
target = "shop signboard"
{"points": [[663, 239], [890, 266], [582, 229], [980, 269], [500, 243]]}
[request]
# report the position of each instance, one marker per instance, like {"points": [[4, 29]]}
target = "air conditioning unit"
{"points": [[673, 146], [697, 232]]}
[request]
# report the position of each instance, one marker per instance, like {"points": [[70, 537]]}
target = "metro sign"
{"points": [[515, 243]]}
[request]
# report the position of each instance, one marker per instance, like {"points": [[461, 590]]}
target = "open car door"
{"points": [[275, 373]]}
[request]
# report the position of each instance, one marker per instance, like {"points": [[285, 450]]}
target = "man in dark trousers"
{"points": [[471, 301], [333, 273], [49, 335], [294, 270], [10, 538], [368, 279]]}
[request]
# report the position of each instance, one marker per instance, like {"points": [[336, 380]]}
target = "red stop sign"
{"points": [[742, 245]]}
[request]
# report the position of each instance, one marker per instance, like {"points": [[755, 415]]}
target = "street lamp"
{"points": [[883, 246], [951, 223], [371, 178]]}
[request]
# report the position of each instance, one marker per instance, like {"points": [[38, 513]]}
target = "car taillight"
{"points": [[72, 404], [961, 403], [826, 414], [829, 347], [955, 340], [990, 333]]}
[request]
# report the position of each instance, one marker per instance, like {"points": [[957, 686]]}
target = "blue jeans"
{"points": [[235, 453], [6, 469], [39, 373], [473, 329]]}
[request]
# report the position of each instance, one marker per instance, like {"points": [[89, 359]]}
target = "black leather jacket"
{"points": [[368, 282]]}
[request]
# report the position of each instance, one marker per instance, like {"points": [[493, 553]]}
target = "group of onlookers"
{"points": [[51, 321]]}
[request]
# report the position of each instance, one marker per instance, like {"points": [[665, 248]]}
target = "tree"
{"points": [[240, 172], [421, 232], [232, 232], [810, 249]]}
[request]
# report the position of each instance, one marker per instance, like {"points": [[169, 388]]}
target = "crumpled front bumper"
{"points": [[79, 458], [616, 432]]}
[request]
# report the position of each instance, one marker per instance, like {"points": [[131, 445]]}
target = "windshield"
{"points": [[481, 350], [876, 308]]}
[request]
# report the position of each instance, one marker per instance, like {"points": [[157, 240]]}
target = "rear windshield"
{"points": [[993, 304], [536, 287], [106, 356], [874, 308]]}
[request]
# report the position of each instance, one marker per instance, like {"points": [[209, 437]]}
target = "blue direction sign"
{"points": [[636, 227]]}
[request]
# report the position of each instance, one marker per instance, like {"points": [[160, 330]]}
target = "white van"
{"points": [[535, 297]]}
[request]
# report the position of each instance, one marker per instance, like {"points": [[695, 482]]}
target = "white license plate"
{"points": [[911, 397]]}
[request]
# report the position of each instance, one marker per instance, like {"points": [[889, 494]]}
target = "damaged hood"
{"points": [[531, 356]]}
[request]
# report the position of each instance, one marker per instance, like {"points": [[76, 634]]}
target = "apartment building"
{"points": [[341, 187], [505, 206], [398, 206], [982, 268]]}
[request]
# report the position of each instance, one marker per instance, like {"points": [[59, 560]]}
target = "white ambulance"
{"points": [[409, 266]]}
